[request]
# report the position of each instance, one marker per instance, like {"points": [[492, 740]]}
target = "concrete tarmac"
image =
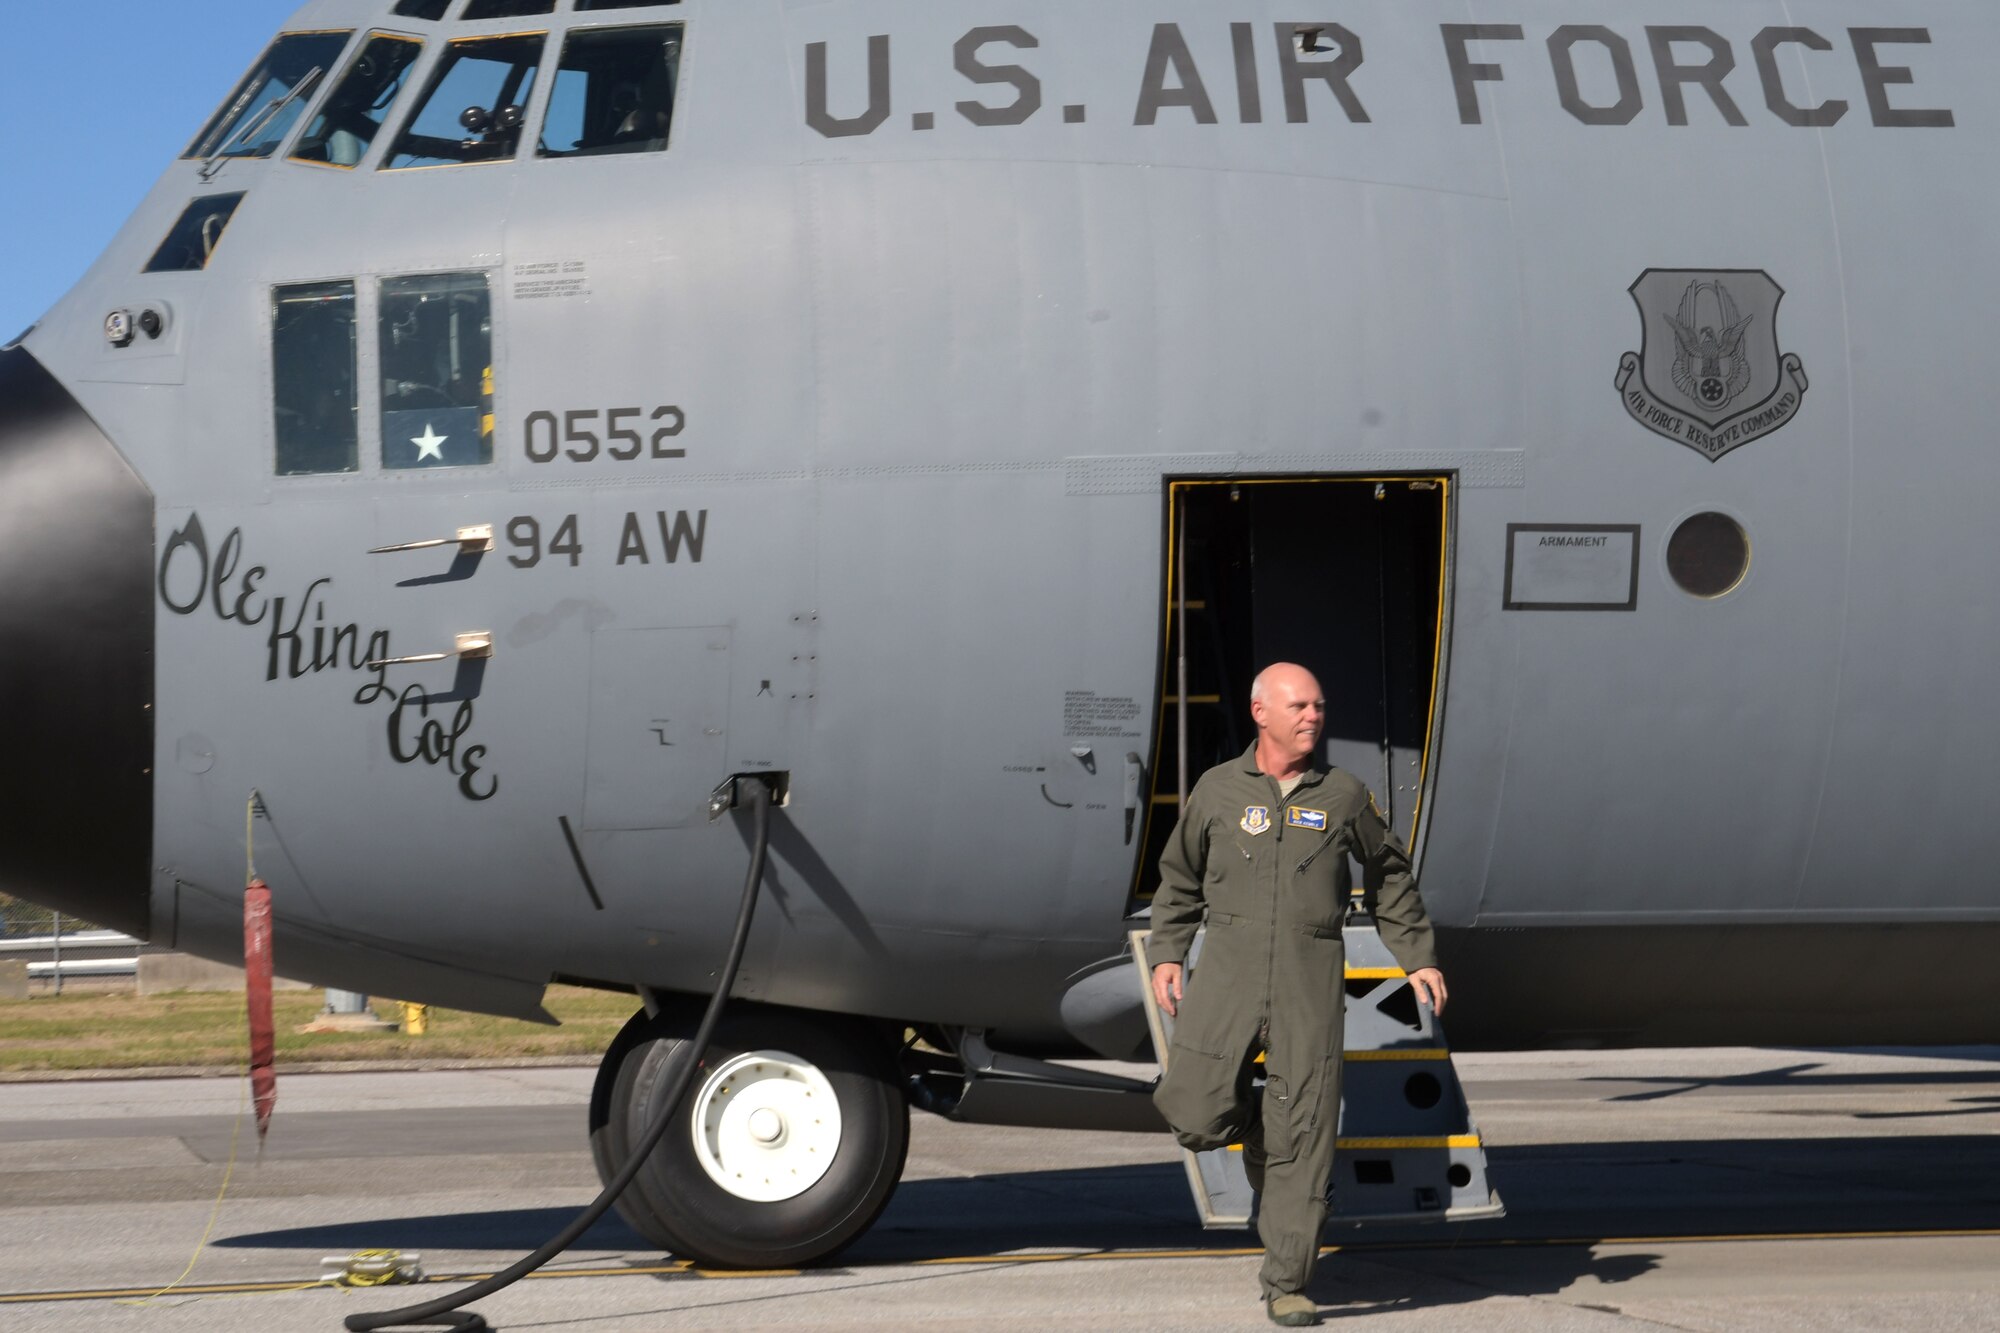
{"points": [[1693, 1190]]}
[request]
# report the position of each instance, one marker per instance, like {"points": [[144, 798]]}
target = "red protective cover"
{"points": [[257, 994]]}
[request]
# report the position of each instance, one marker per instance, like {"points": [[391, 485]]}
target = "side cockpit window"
{"points": [[614, 92], [313, 378], [352, 114], [437, 371], [191, 244], [269, 101], [475, 105]]}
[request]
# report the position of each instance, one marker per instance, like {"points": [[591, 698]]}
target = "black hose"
{"points": [[443, 1312]]}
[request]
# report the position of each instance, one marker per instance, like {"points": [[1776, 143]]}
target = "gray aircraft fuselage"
{"points": [[835, 437]]}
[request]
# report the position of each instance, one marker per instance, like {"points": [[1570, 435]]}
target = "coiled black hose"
{"points": [[444, 1312]]}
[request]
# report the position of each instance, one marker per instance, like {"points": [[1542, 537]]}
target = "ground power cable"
{"points": [[445, 1311]]}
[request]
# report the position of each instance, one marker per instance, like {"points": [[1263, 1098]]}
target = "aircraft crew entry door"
{"points": [[1347, 576]]}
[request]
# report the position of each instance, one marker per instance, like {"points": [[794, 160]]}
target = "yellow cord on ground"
{"points": [[372, 1268], [242, 1100], [235, 1133]]}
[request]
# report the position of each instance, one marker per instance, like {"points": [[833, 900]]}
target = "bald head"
{"points": [[1290, 674], [1286, 704]]}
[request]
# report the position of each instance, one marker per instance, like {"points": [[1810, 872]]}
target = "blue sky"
{"points": [[96, 97]]}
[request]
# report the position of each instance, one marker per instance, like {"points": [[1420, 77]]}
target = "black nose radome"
{"points": [[76, 658]]}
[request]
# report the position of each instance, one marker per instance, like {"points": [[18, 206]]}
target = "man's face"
{"points": [[1291, 714]]}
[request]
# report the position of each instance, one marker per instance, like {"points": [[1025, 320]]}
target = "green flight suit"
{"points": [[1268, 874]]}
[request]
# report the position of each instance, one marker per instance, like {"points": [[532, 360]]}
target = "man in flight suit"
{"points": [[1260, 856]]}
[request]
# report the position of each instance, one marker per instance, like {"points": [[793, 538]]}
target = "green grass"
{"points": [[122, 1030]]}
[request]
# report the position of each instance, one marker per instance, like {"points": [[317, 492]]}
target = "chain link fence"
{"points": [[25, 921], [19, 918]]}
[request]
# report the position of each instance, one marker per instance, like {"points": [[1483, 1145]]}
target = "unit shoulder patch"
{"points": [[1298, 816], [1256, 818]]}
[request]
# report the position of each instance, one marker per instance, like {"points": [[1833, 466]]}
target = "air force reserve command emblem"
{"points": [[1708, 372], [1256, 818]]}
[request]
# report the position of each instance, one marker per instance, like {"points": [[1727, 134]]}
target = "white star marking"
{"points": [[430, 444]]}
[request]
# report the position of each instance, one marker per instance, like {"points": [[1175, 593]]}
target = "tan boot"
{"points": [[1292, 1310]]}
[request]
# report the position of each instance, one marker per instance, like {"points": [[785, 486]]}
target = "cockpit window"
{"points": [[190, 244], [506, 9], [431, 10], [614, 92], [271, 97], [475, 105], [352, 114], [437, 371], [313, 379]]}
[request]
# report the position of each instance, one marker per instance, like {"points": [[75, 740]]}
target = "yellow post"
{"points": [[416, 1019]]}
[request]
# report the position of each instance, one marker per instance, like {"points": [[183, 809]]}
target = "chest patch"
{"points": [[1256, 818], [1297, 816]]}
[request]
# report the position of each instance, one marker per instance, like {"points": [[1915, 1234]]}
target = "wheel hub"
{"points": [[766, 1125]]}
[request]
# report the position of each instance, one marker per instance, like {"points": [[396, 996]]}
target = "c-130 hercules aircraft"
{"points": [[512, 418]]}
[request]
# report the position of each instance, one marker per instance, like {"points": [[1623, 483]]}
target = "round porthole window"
{"points": [[1709, 554]]}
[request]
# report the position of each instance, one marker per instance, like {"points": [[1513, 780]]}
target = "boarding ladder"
{"points": [[1407, 1150]]}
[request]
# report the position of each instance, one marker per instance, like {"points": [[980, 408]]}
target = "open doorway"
{"points": [[1347, 576]]}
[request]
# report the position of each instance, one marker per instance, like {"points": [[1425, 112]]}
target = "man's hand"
{"points": [[1167, 987], [1427, 982]]}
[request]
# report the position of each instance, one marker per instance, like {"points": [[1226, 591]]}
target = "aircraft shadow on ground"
{"points": [[1562, 1199], [1806, 1075]]}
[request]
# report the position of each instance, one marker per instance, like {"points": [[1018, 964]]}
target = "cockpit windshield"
{"points": [[476, 103], [614, 92], [352, 114], [269, 101]]}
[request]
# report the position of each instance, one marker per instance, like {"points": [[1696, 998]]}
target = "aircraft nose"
{"points": [[76, 658]]}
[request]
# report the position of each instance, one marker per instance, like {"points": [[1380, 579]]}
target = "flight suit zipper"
{"points": [[1271, 942], [1324, 843]]}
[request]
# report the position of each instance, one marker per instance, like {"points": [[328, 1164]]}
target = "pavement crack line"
{"points": [[1621, 1313]]}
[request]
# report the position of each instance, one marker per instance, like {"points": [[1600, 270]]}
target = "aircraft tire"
{"points": [[611, 1134], [787, 1065]]}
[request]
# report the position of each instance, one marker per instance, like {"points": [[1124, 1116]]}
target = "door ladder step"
{"points": [[1407, 1149]]}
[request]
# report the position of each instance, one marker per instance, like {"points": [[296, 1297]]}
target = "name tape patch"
{"points": [[1297, 816]]}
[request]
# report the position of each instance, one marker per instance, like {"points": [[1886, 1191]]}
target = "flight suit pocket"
{"points": [[1319, 881], [1201, 1028], [1212, 1019], [1197, 1096], [1288, 1110]]}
